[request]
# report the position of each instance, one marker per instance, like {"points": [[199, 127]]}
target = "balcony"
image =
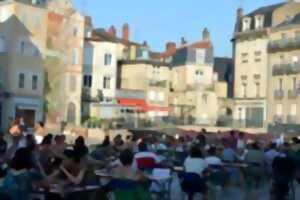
{"points": [[138, 94], [200, 87], [278, 94], [293, 94], [278, 119], [291, 119], [87, 95], [284, 44], [156, 83], [286, 69]]}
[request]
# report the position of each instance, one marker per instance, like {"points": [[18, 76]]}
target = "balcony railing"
{"points": [[139, 94], [293, 94], [284, 44], [286, 69], [155, 83], [291, 119], [200, 87], [278, 94]]}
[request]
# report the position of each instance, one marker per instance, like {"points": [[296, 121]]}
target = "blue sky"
{"points": [[160, 21]]}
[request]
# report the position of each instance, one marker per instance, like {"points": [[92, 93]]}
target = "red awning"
{"points": [[141, 104], [131, 102]]}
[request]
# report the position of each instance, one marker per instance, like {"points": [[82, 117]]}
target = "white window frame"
{"points": [[106, 82], [108, 59], [35, 85], [259, 21], [246, 24]]}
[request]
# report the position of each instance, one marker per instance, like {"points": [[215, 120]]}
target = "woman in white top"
{"points": [[212, 159], [195, 162]]}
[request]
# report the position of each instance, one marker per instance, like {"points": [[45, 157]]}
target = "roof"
{"points": [[150, 62], [100, 34], [294, 21], [196, 45], [266, 11]]}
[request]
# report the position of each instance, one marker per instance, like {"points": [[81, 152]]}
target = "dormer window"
{"points": [[246, 23], [259, 21]]}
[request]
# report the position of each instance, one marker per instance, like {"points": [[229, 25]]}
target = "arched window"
{"points": [[71, 113]]}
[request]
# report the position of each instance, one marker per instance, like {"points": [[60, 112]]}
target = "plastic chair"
{"points": [[146, 163], [192, 183]]}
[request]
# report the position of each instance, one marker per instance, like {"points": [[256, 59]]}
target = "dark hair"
{"points": [[47, 140], [255, 146], [143, 147], [72, 155], [30, 142], [126, 157], [57, 138], [79, 141], [41, 124], [80, 148], [212, 151], [22, 159], [106, 141], [273, 145], [195, 152]]}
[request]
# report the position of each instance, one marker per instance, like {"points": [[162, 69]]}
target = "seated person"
{"points": [[125, 169], [144, 158], [212, 159], [20, 179], [195, 162]]}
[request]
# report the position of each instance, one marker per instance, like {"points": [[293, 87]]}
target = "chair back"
{"points": [[192, 183], [146, 163]]}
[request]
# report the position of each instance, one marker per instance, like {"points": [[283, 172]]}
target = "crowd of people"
{"points": [[38, 161]]}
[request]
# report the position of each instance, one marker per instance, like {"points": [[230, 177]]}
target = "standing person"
{"points": [[40, 132], [195, 162], [232, 140], [3, 148], [241, 143], [16, 134], [23, 125]]}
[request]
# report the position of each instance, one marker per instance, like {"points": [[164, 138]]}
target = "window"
{"points": [[280, 84], [22, 47], [36, 51], [246, 24], [107, 59], [74, 60], [152, 95], [87, 81], [257, 89], [199, 75], [200, 56], [293, 110], [2, 44], [244, 89], [34, 82], [21, 80], [279, 109], [161, 96], [106, 82], [75, 31], [244, 57], [72, 83], [294, 87], [259, 22], [257, 55], [282, 59]]}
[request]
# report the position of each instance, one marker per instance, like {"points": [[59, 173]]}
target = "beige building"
{"points": [[284, 70], [251, 40], [22, 50]]}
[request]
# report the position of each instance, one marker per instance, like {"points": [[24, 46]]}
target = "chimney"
{"points": [[145, 43], [125, 33], [171, 47], [183, 41], [112, 31], [239, 13], [205, 35]]}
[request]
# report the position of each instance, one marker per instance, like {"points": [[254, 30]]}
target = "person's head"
{"points": [[41, 124], [143, 147], [255, 146], [80, 141], [58, 139], [273, 145], [47, 140], [106, 141], [241, 135], [72, 157], [212, 151], [203, 130], [126, 157], [232, 133], [22, 159], [195, 152]]}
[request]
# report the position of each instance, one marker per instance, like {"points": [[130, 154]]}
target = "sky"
{"points": [[161, 21]]}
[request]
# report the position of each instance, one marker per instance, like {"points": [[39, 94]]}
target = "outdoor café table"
{"points": [[158, 177]]}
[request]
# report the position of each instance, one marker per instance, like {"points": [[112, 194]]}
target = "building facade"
{"points": [[23, 48], [251, 38], [284, 70]]}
